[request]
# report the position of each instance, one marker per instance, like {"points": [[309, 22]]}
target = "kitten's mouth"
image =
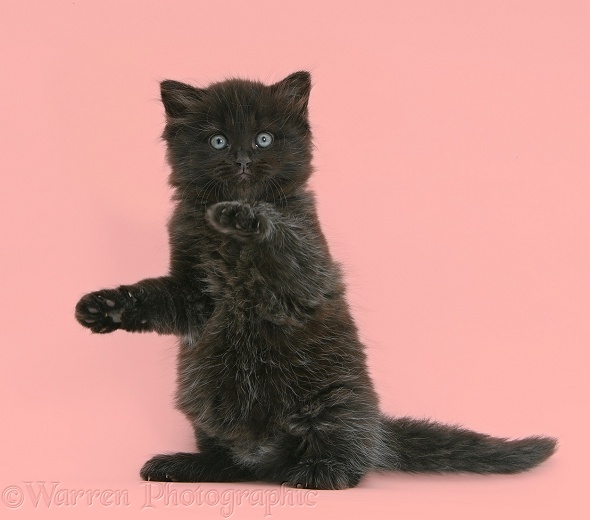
{"points": [[244, 175]]}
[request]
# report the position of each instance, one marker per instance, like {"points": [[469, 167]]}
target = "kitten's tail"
{"points": [[422, 446]]}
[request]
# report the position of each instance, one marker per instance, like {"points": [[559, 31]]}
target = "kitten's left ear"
{"points": [[296, 88], [179, 97]]}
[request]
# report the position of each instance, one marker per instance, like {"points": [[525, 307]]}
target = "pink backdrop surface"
{"points": [[453, 184]]}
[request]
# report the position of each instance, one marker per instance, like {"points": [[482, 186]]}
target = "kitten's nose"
{"points": [[243, 159]]}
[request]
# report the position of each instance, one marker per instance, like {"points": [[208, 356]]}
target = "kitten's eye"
{"points": [[263, 139], [219, 142]]}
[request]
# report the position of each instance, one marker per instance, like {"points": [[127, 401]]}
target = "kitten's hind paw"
{"points": [[102, 311], [233, 218], [194, 467], [323, 474], [169, 468]]}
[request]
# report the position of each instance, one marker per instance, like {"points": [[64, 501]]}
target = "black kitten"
{"points": [[271, 372]]}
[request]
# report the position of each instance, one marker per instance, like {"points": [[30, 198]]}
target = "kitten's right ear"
{"points": [[179, 97]]}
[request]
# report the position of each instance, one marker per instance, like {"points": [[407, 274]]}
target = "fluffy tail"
{"points": [[427, 447]]}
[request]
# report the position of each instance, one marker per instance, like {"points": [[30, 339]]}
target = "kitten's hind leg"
{"points": [[331, 443], [194, 467], [213, 463]]}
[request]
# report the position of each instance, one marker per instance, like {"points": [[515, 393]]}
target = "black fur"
{"points": [[271, 372]]}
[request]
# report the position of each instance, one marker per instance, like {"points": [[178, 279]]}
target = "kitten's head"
{"points": [[238, 139]]}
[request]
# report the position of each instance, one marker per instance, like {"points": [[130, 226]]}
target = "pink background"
{"points": [[453, 184]]}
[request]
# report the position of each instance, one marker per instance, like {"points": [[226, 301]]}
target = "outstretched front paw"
{"points": [[234, 218], [102, 311]]}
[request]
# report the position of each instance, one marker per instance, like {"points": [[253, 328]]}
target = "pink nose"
{"points": [[243, 160]]}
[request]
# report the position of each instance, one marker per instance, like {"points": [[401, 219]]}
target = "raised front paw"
{"points": [[102, 311], [233, 218]]}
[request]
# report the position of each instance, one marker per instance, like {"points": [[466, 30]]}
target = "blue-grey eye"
{"points": [[219, 142], [263, 139]]}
